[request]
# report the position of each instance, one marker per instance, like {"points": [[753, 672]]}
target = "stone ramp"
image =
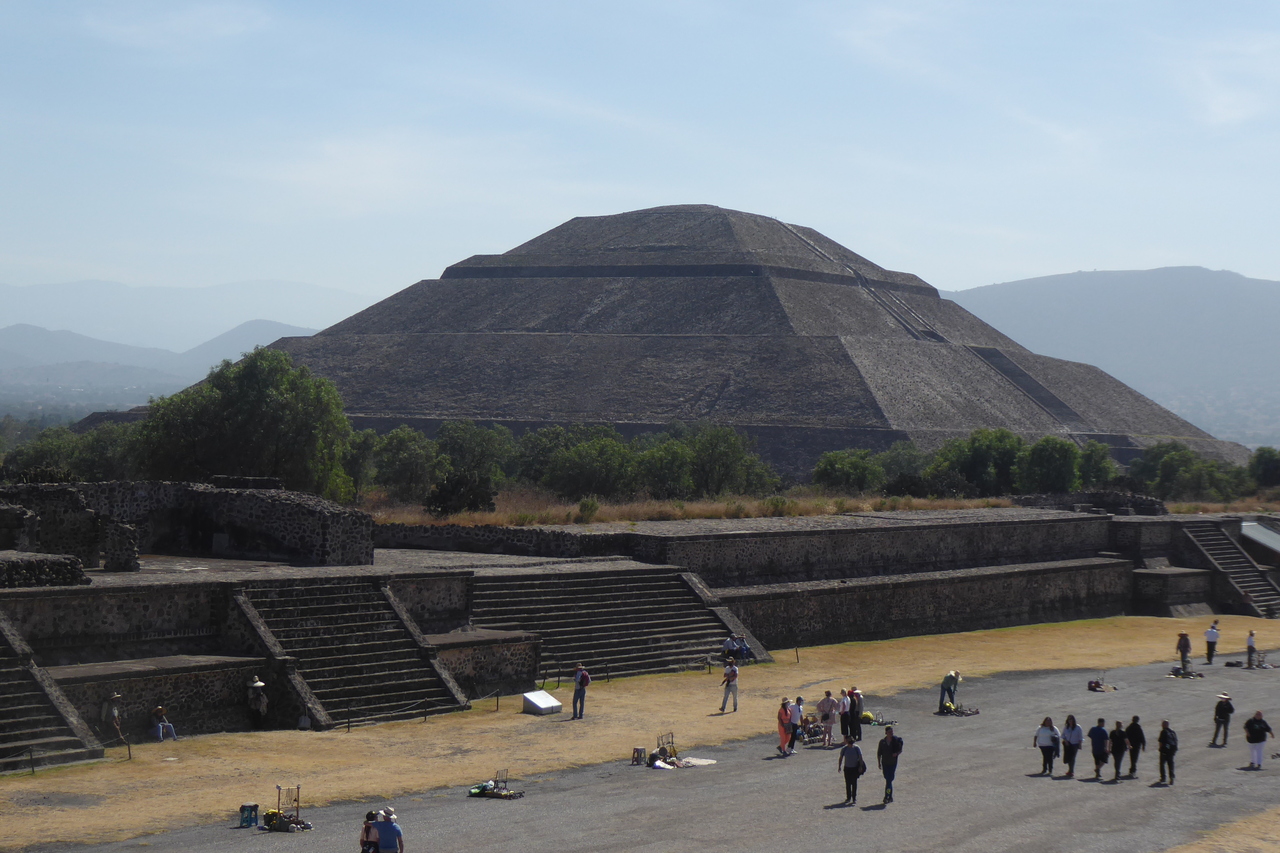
{"points": [[354, 650], [1258, 591], [616, 622]]}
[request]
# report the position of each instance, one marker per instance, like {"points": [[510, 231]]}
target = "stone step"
{"points": [[386, 712], [342, 691], [30, 714], [14, 736], [46, 747], [616, 633], [543, 603], [355, 668], [621, 657], [672, 586], [372, 650], [319, 590], [594, 615], [365, 626]]}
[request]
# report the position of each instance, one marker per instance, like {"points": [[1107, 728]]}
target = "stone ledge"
{"points": [[479, 637], [147, 667]]}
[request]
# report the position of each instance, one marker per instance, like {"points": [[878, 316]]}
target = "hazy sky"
{"points": [[368, 145]]}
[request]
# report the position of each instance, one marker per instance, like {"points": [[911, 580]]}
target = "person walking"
{"points": [[843, 710], [1183, 648], [887, 753], [1256, 732], [784, 725], [1251, 648], [1119, 746], [1137, 743], [582, 678], [390, 836], [1049, 739], [827, 714], [369, 842], [856, 709], [851, 763], [730, 685], [1100, 743], [1222, 718], [1072, 740], [797, 723], [947, 693], [1211, 642], [1168, 743]]}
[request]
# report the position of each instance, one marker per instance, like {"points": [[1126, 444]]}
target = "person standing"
{"points": [[110, 714], [1251, 648], [1049, 739], [1256, 732], [827, 714], [1072, 740], [390, 836], [797, 723], [784, 725], [1137, 743], [582, 678], [1168, 743], [257, 700], [730, 685], [1183, 648], [1100, 743], [1211, 642], [856, 706], [1222, 717], [369, 842], [887, 752], [843, 710], [948, 691], [1119, 746], [851, 763]]}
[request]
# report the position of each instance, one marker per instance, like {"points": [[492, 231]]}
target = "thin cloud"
{"points": [[173, 28], [1232, 80]]}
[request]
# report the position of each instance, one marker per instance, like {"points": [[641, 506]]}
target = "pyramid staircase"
{"points": [[1257, 589], [353, 650], [31, 727], [616, 622]]}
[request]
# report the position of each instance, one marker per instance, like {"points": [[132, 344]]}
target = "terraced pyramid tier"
{"points": [[29, 721]]}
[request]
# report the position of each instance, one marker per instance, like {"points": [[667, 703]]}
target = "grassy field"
{"points": [[204, 779]]}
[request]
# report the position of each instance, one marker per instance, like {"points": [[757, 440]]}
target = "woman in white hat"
{"points": [[257, 702]]}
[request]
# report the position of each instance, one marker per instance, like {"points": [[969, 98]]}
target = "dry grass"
{"points": [[524, 507], [208, 777], [1253, 504]]}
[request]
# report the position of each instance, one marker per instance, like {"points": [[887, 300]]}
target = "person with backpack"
{"points": [[730, 685], [1168, 741], [853, 765], [369, 842], [581, 678]]}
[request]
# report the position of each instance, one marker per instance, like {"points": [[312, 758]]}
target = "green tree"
{"points": [[986, 460], [360, 459], [850, 471], [407, 465], [262, 416], [1096, 465], [665, 470], [604, 467], [902, 458], [1264, 467], [1051, 465], [475, 458], [52, 450]]}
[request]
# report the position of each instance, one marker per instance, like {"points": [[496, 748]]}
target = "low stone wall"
{"points": [[199, 698], [24, 569], [1114, 503], [485, 662], [438, 602], [65, 523], [19, 528], [496, 539], [1160, 587], [932, 602]]}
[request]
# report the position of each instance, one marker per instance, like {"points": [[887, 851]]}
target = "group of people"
{"points": [[853, 765], [111, 717], [381, 833], [1212, 635], [847, 710]]}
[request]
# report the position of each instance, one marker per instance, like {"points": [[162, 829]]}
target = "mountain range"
{"points": [[1196, 341]]}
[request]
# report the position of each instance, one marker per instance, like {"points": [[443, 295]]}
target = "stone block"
{"points": [[540, 703]]}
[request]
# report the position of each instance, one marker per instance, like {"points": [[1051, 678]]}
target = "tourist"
{"points": [[743, 650], [843, 709], [730, 683], [160, 724], [887, 752], [1211, 642], [827, 714], [1049, 739], [1183, 648], [948, 691], [850, 761], [257, 699], [369, 842], [1099, 742], [856, 709], [1072, 740], [1256, 732], [730, 647], [1251, 648], [1168, 741], [1137, 743], [110, 715], [784, 725], [1222, 717], [390, 837], [1119, 746], [797, 724], [581, 678]]}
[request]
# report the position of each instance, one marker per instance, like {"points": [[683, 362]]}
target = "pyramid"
{"points": [[695, 312]]}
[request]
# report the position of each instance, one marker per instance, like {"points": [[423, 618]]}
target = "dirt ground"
{"points": [[203, 779]]}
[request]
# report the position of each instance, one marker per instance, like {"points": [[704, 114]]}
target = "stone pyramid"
{"points": [[694, 312]]}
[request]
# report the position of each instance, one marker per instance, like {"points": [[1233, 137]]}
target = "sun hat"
{"points": [[1224, 695]]}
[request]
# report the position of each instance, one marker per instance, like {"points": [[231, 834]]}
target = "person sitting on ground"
{"points": [[160, 724], [743, 650], [730, 648]]}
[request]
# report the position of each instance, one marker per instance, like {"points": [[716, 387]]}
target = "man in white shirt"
{"points": [[843, 710], [1211, 642], [730, 686]]}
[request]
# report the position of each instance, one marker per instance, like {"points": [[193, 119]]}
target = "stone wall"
{"points": [[438, 602], [199, 699], [932, 602], [19, 528], [484, 662], [1113, 503], [66, 524], [24, 569], [495, 539], [1160, 587]]}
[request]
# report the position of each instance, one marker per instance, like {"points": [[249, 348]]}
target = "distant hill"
{"points": [[1197, 341], [171, 317]]}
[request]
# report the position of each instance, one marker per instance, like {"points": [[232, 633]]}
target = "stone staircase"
{"points": [[28, 720], [353, 650], [1231, 559], [615, 622]]}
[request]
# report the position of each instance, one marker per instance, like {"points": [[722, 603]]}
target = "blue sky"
{"points": [[366, 146]]}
